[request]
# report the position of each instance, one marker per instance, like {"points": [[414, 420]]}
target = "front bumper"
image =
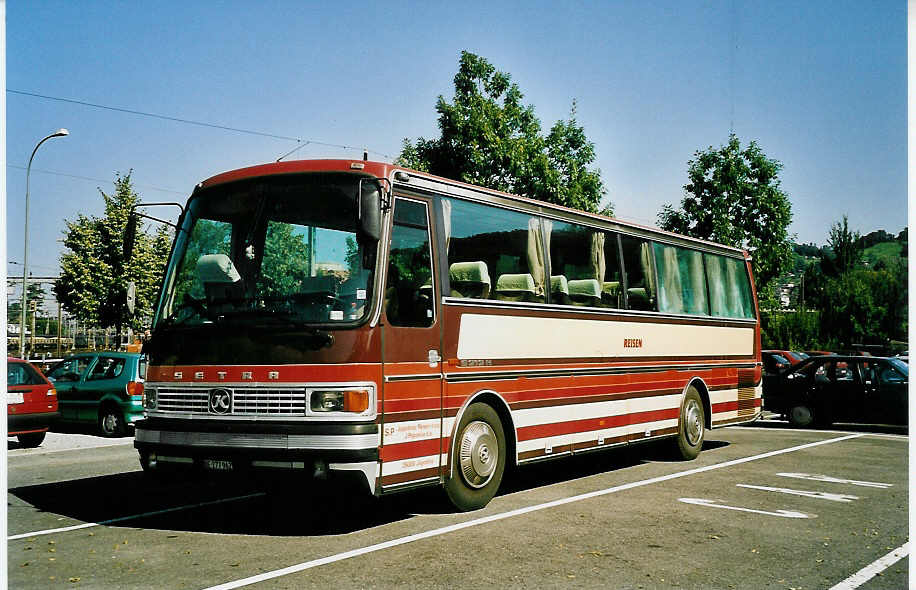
{"points": [[239, 446], [37, 422]]}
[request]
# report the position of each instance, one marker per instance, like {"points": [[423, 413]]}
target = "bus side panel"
{"points": [[563, 405]]}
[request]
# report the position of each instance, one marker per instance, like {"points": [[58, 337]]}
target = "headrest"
{"points": [[558, 283], [518, 282], [217, 268], [469, 272], [585, 287], [611, 287]]}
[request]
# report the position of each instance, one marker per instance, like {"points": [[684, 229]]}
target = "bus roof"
{"points": [[385, 170]]}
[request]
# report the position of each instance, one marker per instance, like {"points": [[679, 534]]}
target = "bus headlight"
{"points": [[339, 400], [150, 399]]}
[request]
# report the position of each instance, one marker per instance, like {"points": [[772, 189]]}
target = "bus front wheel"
{"points": [[479, 459], [691, 428]]}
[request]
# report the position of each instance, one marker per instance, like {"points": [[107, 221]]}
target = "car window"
{"points": [[21, 374], [887, 374], [69, 369], [844, 372], [107, 368]]}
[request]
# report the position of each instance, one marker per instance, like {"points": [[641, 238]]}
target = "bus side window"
{"points": [[681, 280], [409, 290], [640, 273], [494, 253], [584, 267], [729, 287]]}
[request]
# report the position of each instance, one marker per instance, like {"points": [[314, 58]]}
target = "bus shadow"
{"points": [[289, 507], [229, 507], [565, 469]]}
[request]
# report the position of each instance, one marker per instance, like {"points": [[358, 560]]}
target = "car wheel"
{"points": [[479, 459], [801, 416], [691, 428], [111, 422], [30, 440]]}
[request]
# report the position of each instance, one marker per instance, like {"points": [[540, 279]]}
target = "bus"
{"points": [[334, 316]]}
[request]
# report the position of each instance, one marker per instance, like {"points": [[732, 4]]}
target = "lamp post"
{"points": [[25, 254]]}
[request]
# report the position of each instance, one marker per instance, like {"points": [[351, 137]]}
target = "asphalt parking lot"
{"points": [[762, 507]]}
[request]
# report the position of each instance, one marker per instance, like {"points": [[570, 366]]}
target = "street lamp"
{"points": [[25, 254]]}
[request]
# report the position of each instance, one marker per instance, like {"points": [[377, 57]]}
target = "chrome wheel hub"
{"points": [[693, 422], [478, 453]]}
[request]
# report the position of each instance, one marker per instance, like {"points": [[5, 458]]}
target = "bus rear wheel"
{"points": [[479, 459], [691, 427]]}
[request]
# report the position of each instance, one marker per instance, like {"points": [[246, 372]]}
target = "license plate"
{"points": [[218, 465], [14, 397]]}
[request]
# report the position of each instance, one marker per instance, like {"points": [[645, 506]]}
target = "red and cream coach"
{"points": [[356, 316]]}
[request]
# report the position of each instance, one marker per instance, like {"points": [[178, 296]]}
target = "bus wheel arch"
{"points": [[482, 442], [694, 418], [700, 385]]}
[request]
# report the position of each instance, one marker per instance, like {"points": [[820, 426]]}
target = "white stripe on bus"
{"points": [[515, 337]]}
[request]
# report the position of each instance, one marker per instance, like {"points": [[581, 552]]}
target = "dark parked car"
{"points": [[31, 403], [826, 389], [774, 363], [102, 388]]}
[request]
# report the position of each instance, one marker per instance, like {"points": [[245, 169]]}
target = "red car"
{"points": [[31, 403]]}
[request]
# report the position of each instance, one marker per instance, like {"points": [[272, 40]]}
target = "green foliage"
{"points": [[845, 249], [885, 253], [797, 330], [34, 304], [94, 273], [488, 137], [286, 261], [733, 197]]}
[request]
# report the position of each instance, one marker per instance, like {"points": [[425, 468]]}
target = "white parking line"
{"points": [[87, 525], [873, 569], [805, 493], [512, 513], [715, 504]]}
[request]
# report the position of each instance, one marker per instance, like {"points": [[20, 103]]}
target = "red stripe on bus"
{"points": [[409, 450]]}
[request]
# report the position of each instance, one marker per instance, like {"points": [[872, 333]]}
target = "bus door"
{"points": [[411, 353]]}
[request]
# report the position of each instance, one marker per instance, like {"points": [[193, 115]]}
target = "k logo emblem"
{"points": [[220, 401]]}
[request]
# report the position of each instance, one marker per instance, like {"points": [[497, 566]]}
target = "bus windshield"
{"points": [[271, 251]]}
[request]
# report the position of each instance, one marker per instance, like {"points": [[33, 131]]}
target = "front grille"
{"points": [[249, 401]]}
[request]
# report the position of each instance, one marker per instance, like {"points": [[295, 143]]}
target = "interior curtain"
{"points": [[697, 282], [718, 299], [670, 292], [648, 270], [447, 223], [597, 256], [536, 258], [734, 291]]}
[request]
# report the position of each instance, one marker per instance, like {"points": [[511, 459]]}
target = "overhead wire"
{"points": [[55, 173], [187, 121]]}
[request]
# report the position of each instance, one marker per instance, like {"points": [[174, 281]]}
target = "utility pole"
{"points": [[59, 318]]}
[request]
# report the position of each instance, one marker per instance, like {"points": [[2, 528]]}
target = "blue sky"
{"points": [[821, 86]]}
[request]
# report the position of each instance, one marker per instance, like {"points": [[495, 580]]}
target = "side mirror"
{"points": [[369, 209], [130, 235]]}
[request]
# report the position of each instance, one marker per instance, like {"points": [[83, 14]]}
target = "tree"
{"points": [[845, 249], [488, 137], [733, 197], [94, 272], [34, 304]]}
